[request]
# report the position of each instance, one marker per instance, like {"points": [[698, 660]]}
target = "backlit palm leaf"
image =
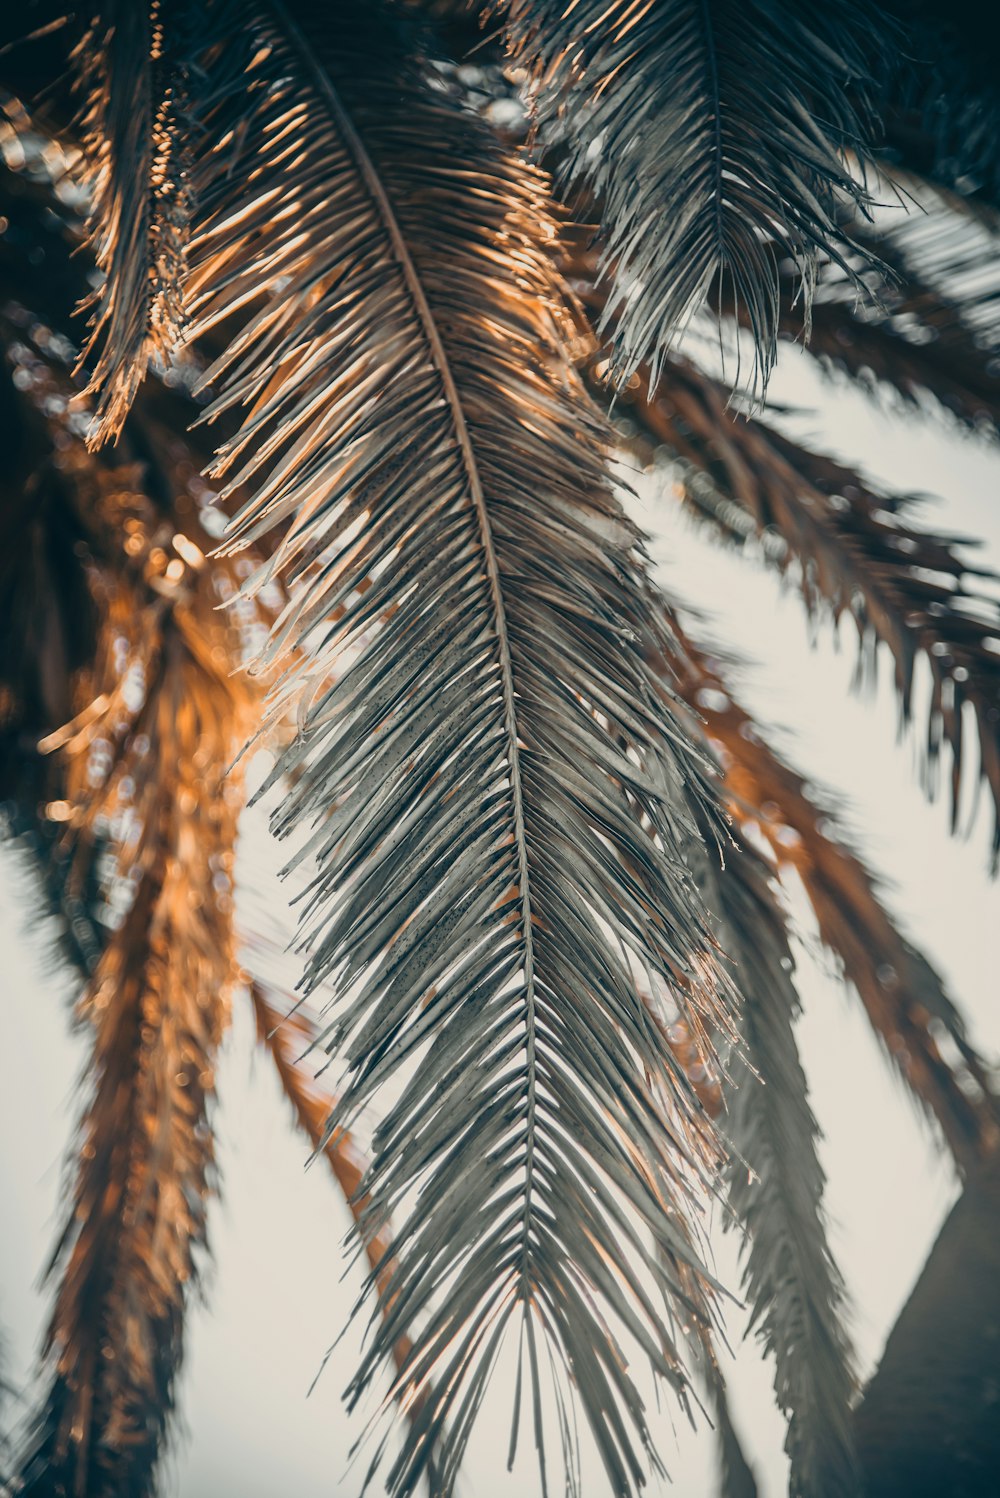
{"points": [[493, 806], [496, 790], [135, 828], [158, 1005], [132, 80]]}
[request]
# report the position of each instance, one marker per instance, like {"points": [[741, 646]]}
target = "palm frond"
{"points": [[775, 1181], [948, 255], [47, 617], [139, 809], [711, 135], [919, 346], [158, 1005], [932, 323], [856, 553], [736, 1476], [694, 1317], [908, 1007], [136, 147], [49, 621], [483, 899], [775, 1186], [7, 1390]]}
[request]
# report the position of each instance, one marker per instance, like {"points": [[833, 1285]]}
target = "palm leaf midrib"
{"points": [[439, 358]]}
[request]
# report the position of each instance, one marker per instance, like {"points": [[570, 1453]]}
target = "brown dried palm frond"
{"points": [[856, 553], [158, 1003], [924, 1035], [140, 794]]}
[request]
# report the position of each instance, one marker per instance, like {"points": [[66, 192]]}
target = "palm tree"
{"points": [[322, 264]]}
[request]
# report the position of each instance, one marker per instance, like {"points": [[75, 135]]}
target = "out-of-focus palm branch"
{"points": [[855, 552], [923, 1033]]}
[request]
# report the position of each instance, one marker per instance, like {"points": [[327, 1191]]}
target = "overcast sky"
{"points": [[276, 1298]]}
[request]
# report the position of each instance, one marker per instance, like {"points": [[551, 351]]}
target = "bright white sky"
{"points": [[276, 1300]]}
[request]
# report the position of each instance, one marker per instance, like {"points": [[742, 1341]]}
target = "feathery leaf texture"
{"points": [[857, 553], [499, 817], [711, 135], [694, 1315], [775, 1186], [903, 996], [931, 326], [132, 82], [497, 789], [148, 818], [158, 1005]]}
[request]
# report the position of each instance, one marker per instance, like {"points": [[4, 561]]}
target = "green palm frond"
{"points": [[711, 136], [495, 788], [775, 1181]]}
